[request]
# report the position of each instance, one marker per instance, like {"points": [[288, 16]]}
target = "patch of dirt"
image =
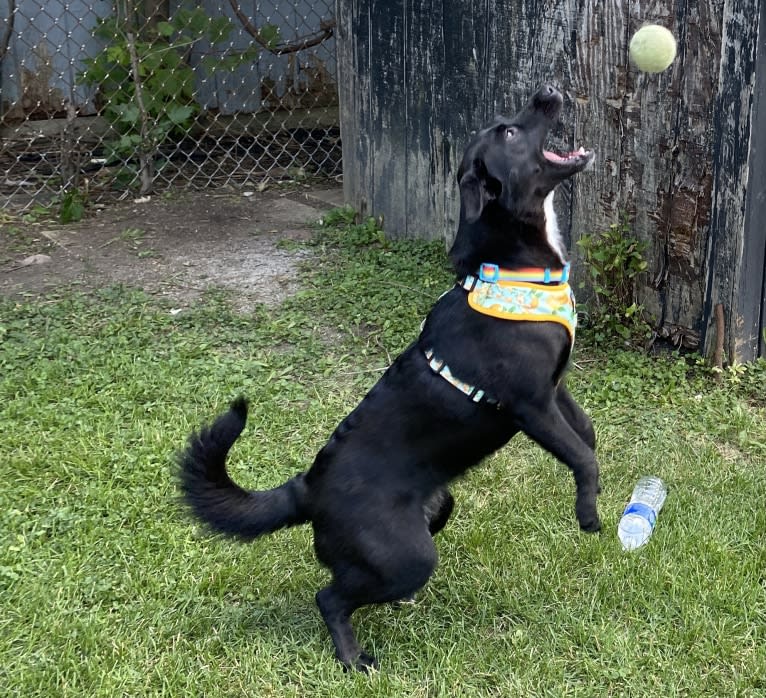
{"points": [[176, 248]]}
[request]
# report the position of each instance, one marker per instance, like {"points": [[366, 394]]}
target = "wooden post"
{"points": [[736, 259]]}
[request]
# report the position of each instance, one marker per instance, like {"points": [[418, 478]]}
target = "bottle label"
{"points": [[642, 510]]}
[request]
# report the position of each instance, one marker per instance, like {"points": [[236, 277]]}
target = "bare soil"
{"points": [[175, 247]]}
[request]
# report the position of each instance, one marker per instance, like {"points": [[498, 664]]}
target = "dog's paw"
{"points": [[406, 601], [365, 663], [590, 525]]}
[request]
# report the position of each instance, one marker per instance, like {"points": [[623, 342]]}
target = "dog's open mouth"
{"points": [[563, 165], [575, 155]]}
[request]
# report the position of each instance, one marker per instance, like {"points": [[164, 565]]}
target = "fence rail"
{"points": [[110, 100]]}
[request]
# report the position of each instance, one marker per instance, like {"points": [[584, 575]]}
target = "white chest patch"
{"points": [[552, 233]]}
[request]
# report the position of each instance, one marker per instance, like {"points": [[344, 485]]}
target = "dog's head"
{"points": [[506, 164]]}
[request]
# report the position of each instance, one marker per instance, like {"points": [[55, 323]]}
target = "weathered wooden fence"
{"points": [[682, 154]]}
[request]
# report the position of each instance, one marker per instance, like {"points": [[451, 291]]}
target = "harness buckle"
{"points": [[489, 272], [469, 282]]}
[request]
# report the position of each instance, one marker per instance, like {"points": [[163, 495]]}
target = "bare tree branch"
{"points": [[326, 30], [145, 148]]}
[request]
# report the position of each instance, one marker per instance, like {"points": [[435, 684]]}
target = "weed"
{"points": [[132, 235], [71, 206], [38, 213], [614, 260], [345, 215], [67, 207]]}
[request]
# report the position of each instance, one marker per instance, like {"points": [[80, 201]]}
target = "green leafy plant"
{"points": [[145, 82], [68, 206], [614, 260], [72, 206], [344, 215]]}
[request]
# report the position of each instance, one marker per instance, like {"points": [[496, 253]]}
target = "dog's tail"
{"points": [[222, 504]]}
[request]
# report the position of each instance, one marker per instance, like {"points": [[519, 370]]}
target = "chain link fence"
{"points": [[103, 100]]}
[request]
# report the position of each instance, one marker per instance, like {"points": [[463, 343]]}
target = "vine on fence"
{"points": [[146, 85]]}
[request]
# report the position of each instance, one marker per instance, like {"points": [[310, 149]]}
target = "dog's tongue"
{"points": [[555, 157]]}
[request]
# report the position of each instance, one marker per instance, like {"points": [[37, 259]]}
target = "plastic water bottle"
{"points": [[639, 517]]}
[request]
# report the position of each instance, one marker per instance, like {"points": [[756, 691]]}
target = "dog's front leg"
{"points": [[576, 416], [545, 423]]}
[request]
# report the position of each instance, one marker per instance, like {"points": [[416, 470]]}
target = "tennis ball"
{"points": [[652, 48]]}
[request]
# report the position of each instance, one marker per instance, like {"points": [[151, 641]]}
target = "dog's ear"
{"points": [[477, 189]]}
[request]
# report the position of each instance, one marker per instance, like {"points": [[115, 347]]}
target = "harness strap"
{"points": [[491, 273], [523, 300], [438, 366]]}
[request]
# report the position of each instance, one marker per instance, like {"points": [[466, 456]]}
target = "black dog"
{"points": [[377, 491]]}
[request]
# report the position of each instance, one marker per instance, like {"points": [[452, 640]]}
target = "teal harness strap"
{"points": [[441, 369]]}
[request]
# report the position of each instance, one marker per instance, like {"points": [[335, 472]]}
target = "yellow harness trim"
{"points": [[521, 300]]}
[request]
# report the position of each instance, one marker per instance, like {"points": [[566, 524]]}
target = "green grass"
{"points": [[107, 590]]}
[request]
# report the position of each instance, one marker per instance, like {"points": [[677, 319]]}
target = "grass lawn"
{"points": [[107, 590]]}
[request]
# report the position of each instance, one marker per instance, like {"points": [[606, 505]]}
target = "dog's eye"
{"points": [[511, 132]]}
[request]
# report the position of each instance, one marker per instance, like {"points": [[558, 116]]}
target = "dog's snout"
{"points": [[548, 93], [547, 100]]}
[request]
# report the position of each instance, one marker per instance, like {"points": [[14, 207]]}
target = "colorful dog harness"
{"points": [[531, 295]]}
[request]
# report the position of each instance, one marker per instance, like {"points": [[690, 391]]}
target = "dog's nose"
{"points": [[548, 100], [548, 92]]}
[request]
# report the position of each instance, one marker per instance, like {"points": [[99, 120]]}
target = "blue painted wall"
{"points": [[52, 37]]}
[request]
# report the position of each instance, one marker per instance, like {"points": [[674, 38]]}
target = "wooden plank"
{"points": [[629, 118], [348, 37], [425, 187], [666, 187], [678, 225], [652, 135], [388, 132], [91, 129], [727, 263], [748, 322], [464, 105], [599, 66], [528, 46]]}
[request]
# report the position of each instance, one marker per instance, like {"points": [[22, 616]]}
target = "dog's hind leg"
{"points": [[438, 508], [394, 565], [336, 611]]}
